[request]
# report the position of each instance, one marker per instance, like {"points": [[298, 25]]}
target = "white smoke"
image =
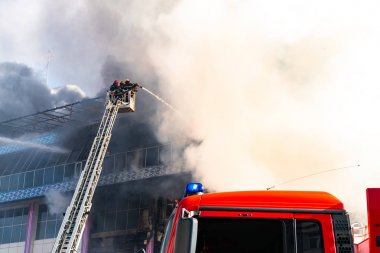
{"points": [[67, 94], [57, 202], [275, 91]]}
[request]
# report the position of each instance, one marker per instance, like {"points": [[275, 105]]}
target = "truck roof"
{"points": [[262, 200]]}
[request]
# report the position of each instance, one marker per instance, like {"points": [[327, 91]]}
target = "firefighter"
{"points": [[122, 84], [114, 85], [114, 90], [128, 85], [121, 90]]}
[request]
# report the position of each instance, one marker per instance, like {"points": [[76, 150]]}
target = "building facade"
{"points": [[135, 194]]}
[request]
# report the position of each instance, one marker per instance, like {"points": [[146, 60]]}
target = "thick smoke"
{"points": [[276, 91], [82, 35], [22, 93], [273, 90]]}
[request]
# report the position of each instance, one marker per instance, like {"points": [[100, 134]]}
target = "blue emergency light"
{"points": [[193, 188]]}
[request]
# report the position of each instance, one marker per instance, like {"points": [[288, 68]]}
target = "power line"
{"points": [[313, 174]]}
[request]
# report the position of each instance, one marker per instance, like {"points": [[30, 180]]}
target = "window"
{"points": [[165, 154], [152, 156], [48, 224], [120, 161], [52, 159], [21, 179], [4, 182], [219, 235], [121, 213], [108, 165], [240, 235], [135, 159], [38, 177], [58, 174], [63, 158], [13, 225], [134, 201], [69, 172], [13, 182], [48, 176], [121, 220], [16, 232], [34, 160], [7, 232], [110, 221], [44, 160], [309, 237], [8, 217], [29, 177], [133, 219]]}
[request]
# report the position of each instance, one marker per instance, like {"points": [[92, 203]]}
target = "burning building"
{"points": [[41, 157]]}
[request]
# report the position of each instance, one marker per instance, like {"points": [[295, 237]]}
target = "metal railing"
{"points": [[113, 163], [359, 232]]}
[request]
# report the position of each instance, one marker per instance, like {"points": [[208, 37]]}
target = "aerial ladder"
{"points": [[71, 230]]}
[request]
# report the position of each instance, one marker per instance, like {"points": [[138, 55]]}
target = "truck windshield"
{"points": [[218, 235], [222, 235]]}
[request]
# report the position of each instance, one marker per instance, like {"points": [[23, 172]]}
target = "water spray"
{"points": [[310, 175], [163, 101], [30, 144]]}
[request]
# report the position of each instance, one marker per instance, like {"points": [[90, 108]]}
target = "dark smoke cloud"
{"points": [[113, 69], [116, 68], [22, 93], [137, 129], [96, 42], [85, 35]]}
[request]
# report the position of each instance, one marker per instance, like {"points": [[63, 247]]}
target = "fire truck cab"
{"points": [[258, 222]]}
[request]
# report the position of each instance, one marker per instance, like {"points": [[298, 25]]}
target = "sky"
{"points": [[269, 90]]}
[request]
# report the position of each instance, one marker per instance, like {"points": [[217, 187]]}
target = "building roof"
{"points": [[74, 114], [261, 200]]}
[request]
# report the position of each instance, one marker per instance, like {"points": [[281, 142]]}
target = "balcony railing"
{"points": [[113, 163]]}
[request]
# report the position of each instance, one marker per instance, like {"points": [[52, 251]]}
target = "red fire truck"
{"points": [[262, 222]]}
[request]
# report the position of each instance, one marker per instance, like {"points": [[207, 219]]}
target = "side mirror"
{"points": [[186, 236]]}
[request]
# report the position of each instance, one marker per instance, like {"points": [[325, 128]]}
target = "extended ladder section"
{"points": [[73, 224]]}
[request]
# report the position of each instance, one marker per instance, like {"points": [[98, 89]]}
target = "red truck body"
{"points": [[259, 222], [373, 211]]}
